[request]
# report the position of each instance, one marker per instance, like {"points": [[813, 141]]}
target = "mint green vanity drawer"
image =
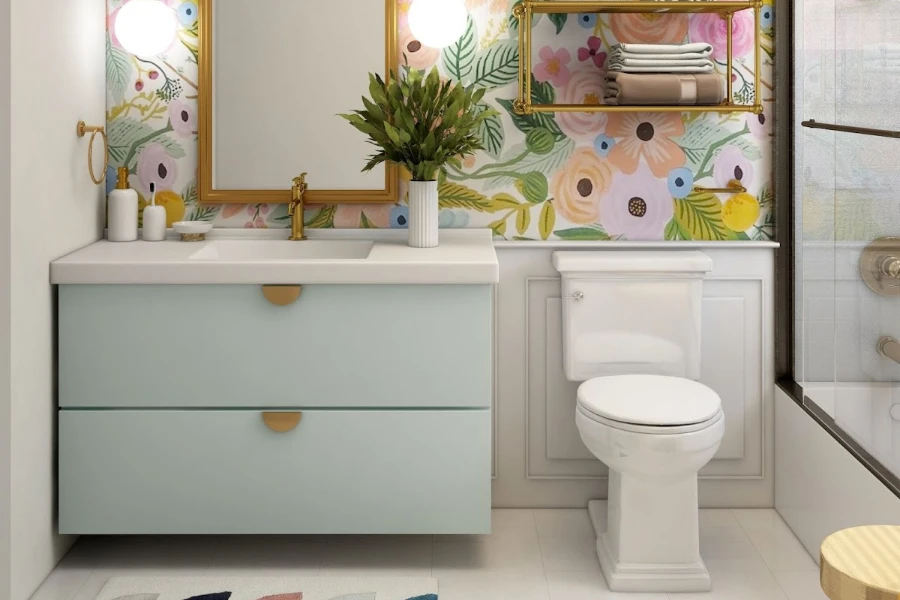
{"points": [[225, 472], [221, 346]]}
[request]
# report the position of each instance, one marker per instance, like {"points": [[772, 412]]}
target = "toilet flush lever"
{"points": [[576, 296]]}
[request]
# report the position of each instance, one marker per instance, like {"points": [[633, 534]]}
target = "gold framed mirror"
{"points": [[273, 76]]}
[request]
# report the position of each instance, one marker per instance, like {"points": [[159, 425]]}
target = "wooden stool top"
{"points": [[862, 563]]}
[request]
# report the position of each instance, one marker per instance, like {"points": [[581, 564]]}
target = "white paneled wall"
{"points": [[540, 460]]}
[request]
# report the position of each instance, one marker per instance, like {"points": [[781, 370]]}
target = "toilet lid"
{"points": [[653, 400]]}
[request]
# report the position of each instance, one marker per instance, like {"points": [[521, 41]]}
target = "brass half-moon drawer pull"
{"points": [[281, 422], [282, 295]]}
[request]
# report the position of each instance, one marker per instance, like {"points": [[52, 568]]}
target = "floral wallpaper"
{"points": [[565, 176]]}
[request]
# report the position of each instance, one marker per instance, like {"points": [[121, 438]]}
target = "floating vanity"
{"points": [[263, 386]]}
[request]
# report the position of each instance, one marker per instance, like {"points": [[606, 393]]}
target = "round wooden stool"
{"points": [[862, 563]]}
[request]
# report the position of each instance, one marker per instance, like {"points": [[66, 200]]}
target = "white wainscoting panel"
{"points": [[541, 460]]}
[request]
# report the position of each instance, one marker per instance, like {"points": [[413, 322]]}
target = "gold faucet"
{"points": [[295, 208]]}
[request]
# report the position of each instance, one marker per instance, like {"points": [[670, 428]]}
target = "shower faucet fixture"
{"points": [[879, 266]]}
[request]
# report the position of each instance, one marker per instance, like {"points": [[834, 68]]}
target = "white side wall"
{"points": [[820, 488], [58, 77], [4, 305]]}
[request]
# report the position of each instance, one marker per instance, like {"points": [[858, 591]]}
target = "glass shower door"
{"points": [[849, 188]]}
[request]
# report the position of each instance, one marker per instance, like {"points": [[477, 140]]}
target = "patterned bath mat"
{"points": [[269, 588]]}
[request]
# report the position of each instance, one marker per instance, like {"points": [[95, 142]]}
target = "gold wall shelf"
{"points": [[525, 12]]}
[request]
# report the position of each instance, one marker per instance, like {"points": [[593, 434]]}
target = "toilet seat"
{"points": [[649, 403]]}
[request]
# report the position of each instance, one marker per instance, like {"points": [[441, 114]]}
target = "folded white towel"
{"points": [[662, 63], [700, 47], [708, 68], [640, 56]]}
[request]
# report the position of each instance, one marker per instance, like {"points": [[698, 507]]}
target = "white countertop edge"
{"points": [[248, 274], [474, 234], [554, 244]]}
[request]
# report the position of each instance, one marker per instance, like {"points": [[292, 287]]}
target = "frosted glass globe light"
{"points": [[437, 23], [146, 27]]}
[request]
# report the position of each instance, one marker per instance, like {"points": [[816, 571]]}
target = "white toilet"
{"points": [[631, 333]]}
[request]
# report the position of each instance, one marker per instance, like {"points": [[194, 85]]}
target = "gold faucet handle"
{"points": [[300, 181]]}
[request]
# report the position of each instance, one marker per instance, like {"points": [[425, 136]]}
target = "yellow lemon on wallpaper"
{"points": [[174, 205], [405, 175], [740, 212]]}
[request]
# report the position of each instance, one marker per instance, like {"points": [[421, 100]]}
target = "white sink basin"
{"points": [[277, 250]]}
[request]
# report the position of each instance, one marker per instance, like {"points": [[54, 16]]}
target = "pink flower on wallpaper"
{"points": [[154, 165], [415, 53], [761, 125], [592, 52], [732, 165], [183, 117], [649, 28], [713, 29], [351, 216], [647, 135], [578, 186], [258, 223], [553, 66], [637, 207], [585, 87]]}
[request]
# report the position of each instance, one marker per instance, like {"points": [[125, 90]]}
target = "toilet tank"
{"points": [[631, 312]]}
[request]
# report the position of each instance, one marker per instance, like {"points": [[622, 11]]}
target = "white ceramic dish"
{"points": [[192, 231]]}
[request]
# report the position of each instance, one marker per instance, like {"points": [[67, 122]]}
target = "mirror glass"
{"points": [[274, 74]]}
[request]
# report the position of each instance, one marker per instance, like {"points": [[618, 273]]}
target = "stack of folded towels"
{"points": [[662, 74]]}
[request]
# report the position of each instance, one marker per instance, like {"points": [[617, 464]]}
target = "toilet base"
{"points": [[634, 577]]}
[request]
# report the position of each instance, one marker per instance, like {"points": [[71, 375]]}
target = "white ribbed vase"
{"points": [[423, 214]]}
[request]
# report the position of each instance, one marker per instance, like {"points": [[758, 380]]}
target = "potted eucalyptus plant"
{"points": [[421, 123]]}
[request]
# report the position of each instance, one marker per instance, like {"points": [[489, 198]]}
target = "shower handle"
{"points": [[888, 347], [890, 267]]}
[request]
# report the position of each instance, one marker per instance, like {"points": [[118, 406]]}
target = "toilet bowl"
{"points": [[654, 433], [632, 325]]}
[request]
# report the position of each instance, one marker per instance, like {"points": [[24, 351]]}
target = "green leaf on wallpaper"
{"points": [[190, 194], [122, 133], [559, 20], [455, 195], [498, 227], [498, 65], [582, 234], [541, 93], [523, 220], [504, 201], [547, 220], [118, 71], [673, 232], [173, 147], [324, 219], [459, 57], [700, 218], [204, 212], [547, 164], [705, 138], [533, 186], [766, 197], [491, 132], [364, 222]]}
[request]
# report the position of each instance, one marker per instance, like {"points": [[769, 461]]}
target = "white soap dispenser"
{"points": [[154, 219], [122, 211]]}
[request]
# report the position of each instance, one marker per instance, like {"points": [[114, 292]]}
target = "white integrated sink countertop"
{"points": [[256, 257]]}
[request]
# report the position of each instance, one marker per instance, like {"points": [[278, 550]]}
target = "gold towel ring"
{"points": [[95, 129]]}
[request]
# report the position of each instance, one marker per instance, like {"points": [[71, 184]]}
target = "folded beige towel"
{"points": [[663, 89]]}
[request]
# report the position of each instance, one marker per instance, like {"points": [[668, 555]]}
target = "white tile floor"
{"points": [[531, 555]]}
